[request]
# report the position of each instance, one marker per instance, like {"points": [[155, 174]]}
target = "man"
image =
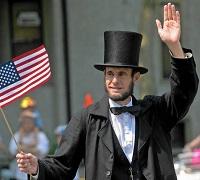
{"points": [[130, 142]]}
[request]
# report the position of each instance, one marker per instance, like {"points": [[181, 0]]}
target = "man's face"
{"points": [[119, 83]]}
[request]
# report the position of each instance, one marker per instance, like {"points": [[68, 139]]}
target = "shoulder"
{"points": [[99, 108], [153, 102], [152, 99]]}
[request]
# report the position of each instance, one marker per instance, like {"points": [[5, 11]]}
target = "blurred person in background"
{"points": [[192, 145], [2, 145], [29, 103], [192, 152], [4, 161], [30, 139], [59, 132]]}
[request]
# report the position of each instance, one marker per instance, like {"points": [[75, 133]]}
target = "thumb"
{"points": [[159, 26], [30, 156]]}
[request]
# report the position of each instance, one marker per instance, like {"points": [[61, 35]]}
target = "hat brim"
{"points": [[101, 67]]}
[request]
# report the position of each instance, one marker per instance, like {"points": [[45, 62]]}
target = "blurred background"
{"points": [[72, 31]]}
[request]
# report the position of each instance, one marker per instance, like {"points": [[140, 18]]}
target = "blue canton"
{"points": [[8, 74]]}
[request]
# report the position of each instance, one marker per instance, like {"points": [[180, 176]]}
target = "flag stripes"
{"points": [[34, 70]]}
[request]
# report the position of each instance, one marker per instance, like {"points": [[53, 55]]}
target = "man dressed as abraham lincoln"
{"points": [[120, 137]]}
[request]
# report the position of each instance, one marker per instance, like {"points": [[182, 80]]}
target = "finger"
{"points": [[174, 13], [169, 10], [24, 169], [31, 157], [21, 152], [22, 155], [22, 162], [159, 25], [165, 13], [24, 165], [19, 156], [178, 18]]}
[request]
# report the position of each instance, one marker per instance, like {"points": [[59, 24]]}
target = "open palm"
{"points": [[171, 30]]}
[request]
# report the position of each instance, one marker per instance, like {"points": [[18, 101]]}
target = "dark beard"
{"points": [[123, 96]]}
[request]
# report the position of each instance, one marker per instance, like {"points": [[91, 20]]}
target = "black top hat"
{"points": [[122, 49]]}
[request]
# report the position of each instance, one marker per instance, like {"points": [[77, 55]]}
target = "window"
{"points": [[26, 24]]}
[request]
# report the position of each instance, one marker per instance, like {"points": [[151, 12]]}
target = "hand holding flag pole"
{"points": [[21, 75]]}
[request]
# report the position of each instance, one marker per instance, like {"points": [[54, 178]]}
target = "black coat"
{"points": [[89, 133]]}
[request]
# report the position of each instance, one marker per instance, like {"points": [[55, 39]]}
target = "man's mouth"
{"points": [[115, 89]]}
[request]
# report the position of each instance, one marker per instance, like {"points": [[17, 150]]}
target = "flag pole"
{"points": [[11, 132], [10, 129]]}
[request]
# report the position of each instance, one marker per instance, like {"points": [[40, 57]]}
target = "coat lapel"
{"points": [[105, 133]]}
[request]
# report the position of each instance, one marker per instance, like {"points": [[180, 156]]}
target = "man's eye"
{"points": [[110, 74], [121, 74]]}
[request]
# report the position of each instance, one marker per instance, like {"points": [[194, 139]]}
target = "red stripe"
{"points": [[25, 82], [34, 82], [23, 77], [26, 92], [28, 53], [32, 66], [31, 59]]}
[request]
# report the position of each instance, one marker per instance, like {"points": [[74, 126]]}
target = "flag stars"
{"points": [[8, 74]]}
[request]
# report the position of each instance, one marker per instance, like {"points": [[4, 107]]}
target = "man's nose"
{"points": [[115, 79]]}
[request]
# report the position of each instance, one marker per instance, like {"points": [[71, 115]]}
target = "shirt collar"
{"points": [[114, 104]]}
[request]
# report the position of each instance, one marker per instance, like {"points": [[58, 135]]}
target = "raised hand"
{"points": [[27, 163], [170, 31]]}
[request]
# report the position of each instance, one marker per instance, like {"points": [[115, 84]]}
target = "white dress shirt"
{"points": [[124, 127]]}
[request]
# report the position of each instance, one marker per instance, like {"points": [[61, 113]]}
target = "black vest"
{"points": [[122, 168]]}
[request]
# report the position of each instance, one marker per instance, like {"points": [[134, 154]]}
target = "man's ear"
{"points": [[136, 76]]}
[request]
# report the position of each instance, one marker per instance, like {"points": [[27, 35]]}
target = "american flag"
{"points": [[22, 74]]}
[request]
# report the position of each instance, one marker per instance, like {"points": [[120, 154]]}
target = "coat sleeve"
{"points": [[65, 162], [173, 106]]}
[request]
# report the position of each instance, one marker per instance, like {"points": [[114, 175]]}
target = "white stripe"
{"points": [[25, 85], [32, 62], [21, 93], [25, 79], [29, 56], [34, 68]]}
